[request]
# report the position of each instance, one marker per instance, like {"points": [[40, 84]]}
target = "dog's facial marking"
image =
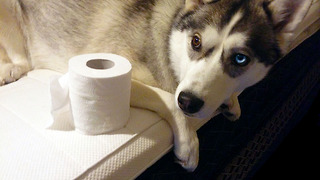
{"points": [[201, 70], [257, 25], [217, 50], [208, 43], [234, 20], [236, 57]]}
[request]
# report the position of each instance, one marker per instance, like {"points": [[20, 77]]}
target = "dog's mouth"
{"points": [[189, 115], [203, 115]]}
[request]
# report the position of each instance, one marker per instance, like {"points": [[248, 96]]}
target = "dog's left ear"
{"points": [[286, 16], [190, 5]]}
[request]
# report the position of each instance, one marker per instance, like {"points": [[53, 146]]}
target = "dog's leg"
{"points": [[231, 108], [186, 144], [9, 71], [13, 58]]}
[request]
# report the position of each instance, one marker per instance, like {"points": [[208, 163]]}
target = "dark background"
{"points": [[299, 153]]}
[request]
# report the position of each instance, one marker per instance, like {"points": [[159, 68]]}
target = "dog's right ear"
{"points": [[286, 16], [191, 5]]}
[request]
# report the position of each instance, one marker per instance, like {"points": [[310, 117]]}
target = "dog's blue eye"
{"points": [[241, 60]]}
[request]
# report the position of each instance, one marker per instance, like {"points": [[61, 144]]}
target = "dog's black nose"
{"points": [[189, 103]]}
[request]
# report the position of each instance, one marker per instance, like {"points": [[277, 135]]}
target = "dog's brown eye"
{"points": [[196, 42]]}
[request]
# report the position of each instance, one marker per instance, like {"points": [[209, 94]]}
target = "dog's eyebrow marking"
{"points": [[232, 42], [235, 19], [211, 41], [266, 9], [235, 40]]}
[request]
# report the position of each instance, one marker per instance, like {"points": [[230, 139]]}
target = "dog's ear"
{"points": [[286, 16], [190, 5]]}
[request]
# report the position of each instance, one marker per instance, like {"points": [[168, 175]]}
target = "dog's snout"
{"points": [[189, 103]]}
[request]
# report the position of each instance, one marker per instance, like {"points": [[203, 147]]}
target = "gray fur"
{"points": [[134, 32]]}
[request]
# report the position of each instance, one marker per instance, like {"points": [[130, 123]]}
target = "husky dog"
{"points": [[190, 58]]}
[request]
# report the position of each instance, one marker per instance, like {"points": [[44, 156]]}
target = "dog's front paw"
{"points": [[232, 114], [231, 109], [9, 73], [187, 151]]}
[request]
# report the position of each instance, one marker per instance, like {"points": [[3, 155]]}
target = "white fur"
{"points": [[179, 59]]}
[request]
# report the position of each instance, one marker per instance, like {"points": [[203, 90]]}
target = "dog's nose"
{"points": [[189, 103]]}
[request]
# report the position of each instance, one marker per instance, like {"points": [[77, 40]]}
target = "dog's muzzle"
{"points": [[189, 103]]}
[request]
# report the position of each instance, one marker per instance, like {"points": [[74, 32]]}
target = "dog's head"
{"points": [[224, 46]]}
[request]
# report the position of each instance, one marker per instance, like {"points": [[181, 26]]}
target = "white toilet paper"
{"points": [[94, 95]]}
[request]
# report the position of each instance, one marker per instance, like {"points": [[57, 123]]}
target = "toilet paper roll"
{"points": [[98, 97]]}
